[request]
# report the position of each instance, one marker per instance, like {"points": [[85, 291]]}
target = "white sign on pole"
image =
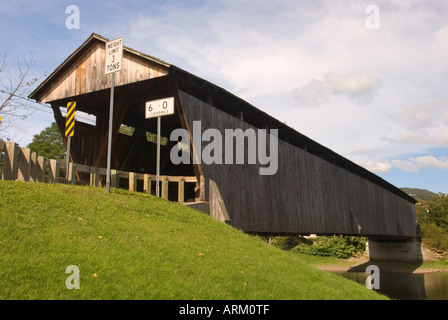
{"points": [[159, 108], [153, 109], [114, 53]]}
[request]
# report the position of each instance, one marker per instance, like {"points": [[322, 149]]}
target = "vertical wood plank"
{"points": [[132, 181], [164, 187], [53, 174], [94, 176], [10, 161], [147, 183], [40, 170], [114, 178], [71, 173], [181, 190], [24, 166], [34, 167]]}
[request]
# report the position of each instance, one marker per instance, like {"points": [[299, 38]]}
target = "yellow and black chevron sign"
{"points": [[70, 119]]}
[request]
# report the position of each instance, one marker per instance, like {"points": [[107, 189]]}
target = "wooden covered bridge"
{"points": [[314, 190]]}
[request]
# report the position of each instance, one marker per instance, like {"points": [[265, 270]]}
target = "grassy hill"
{"points": [[136, 246]]}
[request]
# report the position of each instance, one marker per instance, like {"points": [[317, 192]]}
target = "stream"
{"points": [[407, 286]]}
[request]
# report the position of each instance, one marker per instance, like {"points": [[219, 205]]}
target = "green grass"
{"points": [[142, 247]]}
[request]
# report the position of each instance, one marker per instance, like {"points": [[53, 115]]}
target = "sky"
{"points": [[367, 79]]}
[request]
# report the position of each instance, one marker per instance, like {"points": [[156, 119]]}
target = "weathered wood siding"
{"points": [[86, 74], [306, 195]]}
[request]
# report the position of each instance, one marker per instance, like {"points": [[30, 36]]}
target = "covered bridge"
{"points": [[314, 190]]}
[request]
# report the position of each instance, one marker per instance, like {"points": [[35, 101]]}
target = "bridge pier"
{"points": [[395, 250]]}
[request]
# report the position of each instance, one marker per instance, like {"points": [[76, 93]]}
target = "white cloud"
{"points": [[315, 93], [360, 86], [376, 167], [439, 47], [435, 139], [361, 83], [428, 115], [415, 164], [409, 165]]}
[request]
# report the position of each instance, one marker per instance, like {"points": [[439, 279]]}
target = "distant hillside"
{"points": [[419, 193]]}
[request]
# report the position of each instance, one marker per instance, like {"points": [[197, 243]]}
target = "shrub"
{"points": [[288, 242], [434, 237], [342, 247]]}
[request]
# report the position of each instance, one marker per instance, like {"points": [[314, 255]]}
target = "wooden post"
{"points": [[218, 208], [165, 187], [24, 158], [53, 174], [181, 190], [147, 183], [114, 178], [40, 169], [201, 188], [132, 181], [94, 176], [72, 173], [10, 161], [33, 170]]}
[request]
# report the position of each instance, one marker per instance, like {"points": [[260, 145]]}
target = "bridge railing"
{"points": [[22, 164]]}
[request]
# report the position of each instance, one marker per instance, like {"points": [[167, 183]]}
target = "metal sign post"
{"points": [[159, 108], [69, 131], [67, 158], [159, 120], [114, 54]]}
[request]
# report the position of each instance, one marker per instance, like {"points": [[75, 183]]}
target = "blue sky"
{"points": [[376, 96]]}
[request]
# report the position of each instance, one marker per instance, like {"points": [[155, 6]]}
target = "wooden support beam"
{"points": [[181, 190], [114, 178], [10, 161], [53, 173], [138, 139], [120, 109], [72, 173], [183, 120], [24, 165], [218, 208], [164, 187], [34, 167], [40, 169], [132, 181], [147, 183], [94, 177]]}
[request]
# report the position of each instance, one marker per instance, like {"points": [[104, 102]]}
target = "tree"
{"points": [[15, 86], [434, 223], [49, 143], [438, 211]]}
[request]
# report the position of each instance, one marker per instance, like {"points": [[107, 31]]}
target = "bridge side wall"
{"points": [[306, 195]]}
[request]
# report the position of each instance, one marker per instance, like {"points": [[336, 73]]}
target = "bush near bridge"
{"points": [[433, 222], [342, 247], [136, 246]]}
